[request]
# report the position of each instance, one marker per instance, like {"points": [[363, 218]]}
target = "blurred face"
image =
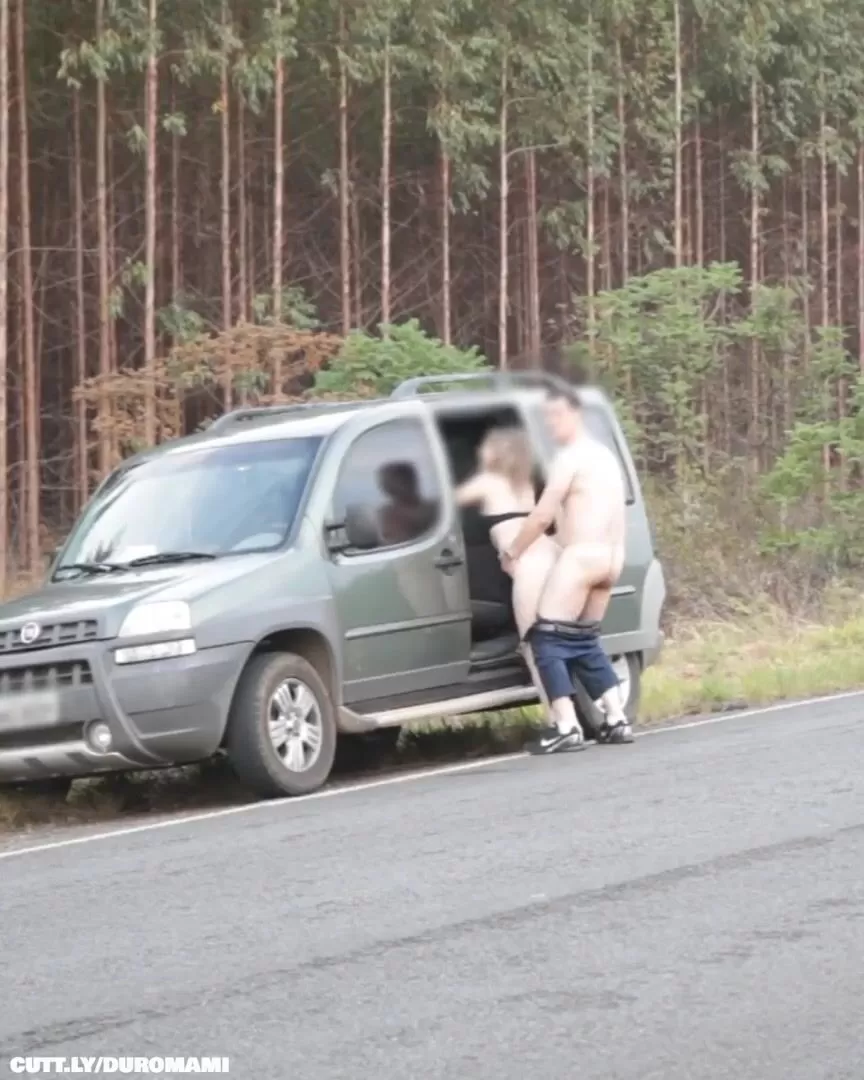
{"points": [[401, 483], [487, 457], [563, 420]]}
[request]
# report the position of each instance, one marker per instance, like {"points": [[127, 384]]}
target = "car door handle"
{"points": [[448, 560]]}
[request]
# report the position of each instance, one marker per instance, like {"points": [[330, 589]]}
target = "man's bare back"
{"points": [[586, 480]]}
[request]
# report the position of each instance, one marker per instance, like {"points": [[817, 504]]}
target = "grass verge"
{"points": [[766, 657]]}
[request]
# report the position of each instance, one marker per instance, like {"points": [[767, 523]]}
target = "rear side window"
{"points": [[391, 470], [598, 425]]}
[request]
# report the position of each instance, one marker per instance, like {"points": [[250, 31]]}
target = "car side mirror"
{"points": [[359, 531], [362, 529]]}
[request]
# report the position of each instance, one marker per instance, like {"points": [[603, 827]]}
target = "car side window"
{"points": [[390, 471]]}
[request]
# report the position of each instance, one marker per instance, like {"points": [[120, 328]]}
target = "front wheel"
{"points": [[628, 668], [281, 736]]}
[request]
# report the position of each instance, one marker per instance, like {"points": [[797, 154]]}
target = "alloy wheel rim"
{"points": [[622, 670], [295, 725]]}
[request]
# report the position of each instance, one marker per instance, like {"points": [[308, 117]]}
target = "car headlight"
{"points": [[167, 617]]}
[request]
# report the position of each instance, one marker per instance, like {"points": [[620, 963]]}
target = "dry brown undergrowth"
{"points": [[246, 365]]}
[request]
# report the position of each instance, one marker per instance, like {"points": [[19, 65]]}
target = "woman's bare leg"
{"points": [[530, 577]]}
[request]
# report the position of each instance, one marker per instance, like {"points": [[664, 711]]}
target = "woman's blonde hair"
{"points": [[510, 455]]}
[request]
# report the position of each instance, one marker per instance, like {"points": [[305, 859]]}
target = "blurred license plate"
{"points": [[41, 708]]}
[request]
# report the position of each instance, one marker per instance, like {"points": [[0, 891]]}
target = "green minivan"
{"points": [[229, 592]]}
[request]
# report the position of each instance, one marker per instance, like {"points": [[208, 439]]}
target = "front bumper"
{"points": [[165, 712]]}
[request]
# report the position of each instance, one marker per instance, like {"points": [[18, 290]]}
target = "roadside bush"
{"points": [[373, 366]]}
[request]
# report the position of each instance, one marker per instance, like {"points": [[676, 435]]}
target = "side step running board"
{"points": [[353, 723]]}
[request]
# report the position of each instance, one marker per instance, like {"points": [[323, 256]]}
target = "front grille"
{"points": [[50, 636], [25, 680]]}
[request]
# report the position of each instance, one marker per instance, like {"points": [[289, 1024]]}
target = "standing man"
{"points": [[585, 495]]}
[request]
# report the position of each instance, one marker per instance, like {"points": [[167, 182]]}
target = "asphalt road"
{"points": [[688, 908]]}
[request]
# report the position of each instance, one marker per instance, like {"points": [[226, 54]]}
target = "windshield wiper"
{"points": [[90, 567], [169, 557]]}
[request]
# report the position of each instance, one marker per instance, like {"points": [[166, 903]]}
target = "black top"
{"points": [[496, 519]]}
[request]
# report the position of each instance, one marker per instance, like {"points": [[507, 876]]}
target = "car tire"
{"points": [[281, 737], [628, 668]]}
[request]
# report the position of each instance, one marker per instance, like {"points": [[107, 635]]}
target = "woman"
{"points": [[503, 490]]}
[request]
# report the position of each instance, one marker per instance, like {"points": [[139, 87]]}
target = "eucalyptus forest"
{"points": [[208, 202]]}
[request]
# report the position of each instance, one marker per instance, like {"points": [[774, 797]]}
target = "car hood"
{"points": [[108, 597]]}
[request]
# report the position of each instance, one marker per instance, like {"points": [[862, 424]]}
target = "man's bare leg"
{"points": [[595, 610], [597, 603], [581, 581], [565, 577]]}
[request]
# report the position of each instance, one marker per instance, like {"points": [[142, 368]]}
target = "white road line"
{"points": [[399, 778]]}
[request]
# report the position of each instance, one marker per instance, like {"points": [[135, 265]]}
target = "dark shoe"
{"points": [[615, 734], [551, 741]]}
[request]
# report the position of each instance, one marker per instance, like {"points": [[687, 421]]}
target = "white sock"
{"points": [[611, 704], [564, 716]]}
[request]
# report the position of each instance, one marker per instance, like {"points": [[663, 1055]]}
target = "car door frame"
{"points": [[447, 534]]}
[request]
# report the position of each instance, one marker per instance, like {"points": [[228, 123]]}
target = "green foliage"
{"points": [[816, 485], [376, 365], [181, 323], [656, 342], [297, 309]]}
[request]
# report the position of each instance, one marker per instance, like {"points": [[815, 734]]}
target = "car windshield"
{"points": [[203, 503]]}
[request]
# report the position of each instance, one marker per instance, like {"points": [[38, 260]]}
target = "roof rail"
{"points": [[500, 380], [274, 412]]}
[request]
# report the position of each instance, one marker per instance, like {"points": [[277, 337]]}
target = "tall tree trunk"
{"points": [[824, 244], [624, 180], [357, 244], [838, 297], [805, 252], [786, 386], [823, 213], [861, 255], [590, 187], [727, 387], [607, 237], [755, 208], [518, 293], [152, 104], [105, 440], [225, 216], [446, 269], [176, 246], [386, 137], [242, 215], [4, 293], [532, 262], [344, 183], [31, 403], [82, 483], [838, 246], [278, 190], [504, 222], [700, 195], [679, 139]]}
